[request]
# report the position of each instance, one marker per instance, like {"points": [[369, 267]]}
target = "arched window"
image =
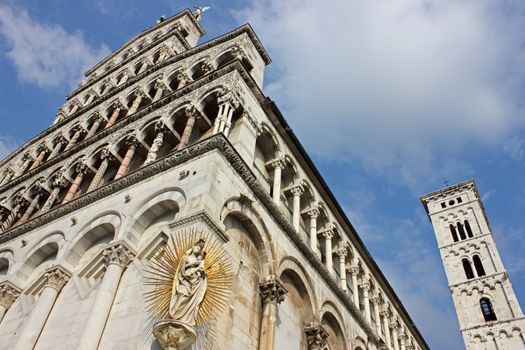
{"points": [[478, 265], [461, 230], [487, 309], [468, 268], [454, 233], [469, 230]]}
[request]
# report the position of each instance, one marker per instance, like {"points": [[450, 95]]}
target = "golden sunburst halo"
{"points": [[163, 267]]}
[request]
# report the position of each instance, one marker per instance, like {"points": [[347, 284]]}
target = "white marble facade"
{"points": [[165, 135]]}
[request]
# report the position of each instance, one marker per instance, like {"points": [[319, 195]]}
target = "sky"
{"points": [[391, 99]]}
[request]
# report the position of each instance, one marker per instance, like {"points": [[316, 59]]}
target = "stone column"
{"points": [[76, 136], [81, 170], [192, 114], [20, 203], [386, 327], [160, 88], [61, 142], [403, 340], [8, 175], [139, 96], [342, 252], [75, 108], [227, 105], [164, 54], [313, 214], [296, 191], [328, 235], [132, 143], [395, 328], [55, 278], [8, 294], [160, 128], [278, 166], [354, 271], [376, 301], [365, 286], [98, 121], [183, 80], [316, 336], [117, 108], [143, 67], [272, 293], [105, 157], [26, 160], [38, 191], [42, 151], [59, 183], [90, 98], [116, 257]]}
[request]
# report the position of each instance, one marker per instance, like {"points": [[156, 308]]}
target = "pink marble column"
{"points": [[132, 143], [81, 170], [26, 160], [98, 121], [20, 204], [114, 115], [38, 192], [192, 114], [42, 151]]}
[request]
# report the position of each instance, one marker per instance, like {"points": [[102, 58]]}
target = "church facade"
{"points": [[489, 315], [165, 137]]}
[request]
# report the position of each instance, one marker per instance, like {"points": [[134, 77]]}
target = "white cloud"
{"points": [[44, 54], [400, 86], [513, 147]]}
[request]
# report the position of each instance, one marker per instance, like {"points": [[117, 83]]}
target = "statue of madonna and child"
{"points": [[189, 287]]}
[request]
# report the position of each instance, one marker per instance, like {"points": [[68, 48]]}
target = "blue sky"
{"points": [[390, 98]]}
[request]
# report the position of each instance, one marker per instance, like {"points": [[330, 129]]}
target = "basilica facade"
{"points": [[164, 137]]}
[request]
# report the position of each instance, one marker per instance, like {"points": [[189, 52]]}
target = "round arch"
{"points": [[332, 320]]}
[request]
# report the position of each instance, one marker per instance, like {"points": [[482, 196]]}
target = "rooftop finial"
{"points": [[198, 11]]}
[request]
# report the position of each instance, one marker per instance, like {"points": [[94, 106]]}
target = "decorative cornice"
{"points": [[200, 217]]}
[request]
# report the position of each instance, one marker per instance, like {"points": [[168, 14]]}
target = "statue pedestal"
{"points": [[174, 335]]}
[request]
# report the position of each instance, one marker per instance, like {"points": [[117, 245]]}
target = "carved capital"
{"points": [[342, 251], [43, 147], [21, 201], [38, 189], [277, 163], [59, 180], [8, 172], [385, 313], [159, 84], [313, 213], [182, 76], [61, 139], [328, 233], [366, 286], [272, 290], [394, 325], [206, 67], [26, 157], [78, 128], [106, 154], [376, 299], [316, 336], [297, 190], [8, 294], [354, 269], [132, 140], [118, 253], [192, 112], [56, 277], [81, 167]]}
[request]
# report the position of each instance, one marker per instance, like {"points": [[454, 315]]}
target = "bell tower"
{"points": [[488, 312]]}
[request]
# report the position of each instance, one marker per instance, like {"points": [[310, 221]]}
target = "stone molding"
{"points": [[8, 294], [119, 253], [316, 336], [272, 290], [200, 217]]}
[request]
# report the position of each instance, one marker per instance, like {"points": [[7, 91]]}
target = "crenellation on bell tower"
{"points": [[479, 284]]}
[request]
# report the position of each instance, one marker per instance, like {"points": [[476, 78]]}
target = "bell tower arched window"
{"points": [[461, 230], [468, 268], [478, 265], [468, 229], [487, 309], [454, 233]]}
